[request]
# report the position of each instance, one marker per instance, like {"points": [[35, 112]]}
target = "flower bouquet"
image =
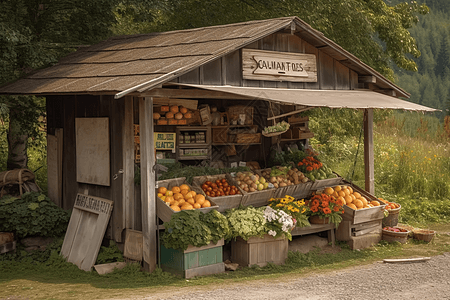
{"points": [[326, 206], [295, 208]]}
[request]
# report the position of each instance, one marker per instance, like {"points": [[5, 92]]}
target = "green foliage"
{"points": [[217, 223], [179, 170], [32, 215], [186, 228], [246, 222], [109, 254]]}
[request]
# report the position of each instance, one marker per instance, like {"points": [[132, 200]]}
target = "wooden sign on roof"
{"points": [[278, 66]]}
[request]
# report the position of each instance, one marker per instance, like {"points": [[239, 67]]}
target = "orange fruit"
{"points": [[197, 205], [181, 202], [358, 203], [186, 206], [357, 195], [177, 196], [162, 190], [352, 206], [335, 194], [341, 199], [375, 203], [206, 204], [176, 189], [169, 193], [188, 195], [163, 198], [364, 200], [184, 187], [347, 191], [353, 197], [200, 199], [337, 188], [175, 208], [177, 203], [190, 201], [329, 191], [342, 193], [193, 193], [184, 192], [348, 199], [350, 189]]}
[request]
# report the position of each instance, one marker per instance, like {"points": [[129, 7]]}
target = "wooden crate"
{"points": [[259, 251], [219, 135], [223, 202], [234, 112], [297, 119], [248, 138], [163, 211], [301, 190], [7, 247], [322, 183], [194, 261]]}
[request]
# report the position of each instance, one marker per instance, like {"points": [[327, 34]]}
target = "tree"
{"points": [[356, 25], [34, 34]]}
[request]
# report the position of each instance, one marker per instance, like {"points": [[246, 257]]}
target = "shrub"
{"points": [[34, 214]]}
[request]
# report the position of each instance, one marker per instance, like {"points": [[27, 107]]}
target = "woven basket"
{"points": [[273, 133], [424, 235]]}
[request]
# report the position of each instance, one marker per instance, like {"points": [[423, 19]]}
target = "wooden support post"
{"points": [[128, 165], [368, 151], [148, 183]]}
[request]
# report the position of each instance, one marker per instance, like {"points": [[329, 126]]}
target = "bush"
{"points": [[32, 215]]}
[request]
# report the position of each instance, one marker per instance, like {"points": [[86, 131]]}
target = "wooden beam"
{"points": [[367, 79], [290, 113], [128, 164], [388, 92], [148, 199], [368, 152], [192, 94]]}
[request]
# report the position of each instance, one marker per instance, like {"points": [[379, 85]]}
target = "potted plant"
{"points": [[325, 209]]}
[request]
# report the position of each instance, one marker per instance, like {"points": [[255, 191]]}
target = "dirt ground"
{"points": [[428, 279]]}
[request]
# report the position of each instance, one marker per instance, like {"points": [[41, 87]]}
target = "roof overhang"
{"points": [[355, 99]]}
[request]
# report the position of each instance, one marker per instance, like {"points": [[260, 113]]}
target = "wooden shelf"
{"points": [[192, 157], [193, 145], [236, 144]]}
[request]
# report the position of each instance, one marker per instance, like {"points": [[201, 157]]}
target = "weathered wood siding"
{"points": [[227, 70], [62, 111]]}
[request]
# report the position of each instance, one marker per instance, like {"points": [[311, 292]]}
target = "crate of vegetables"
{"points": [[255, 188], [174, 195], [287, 181], [221, 189]]}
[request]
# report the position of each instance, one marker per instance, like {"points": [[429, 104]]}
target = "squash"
{"points": [[183, 110], [174, 109]]}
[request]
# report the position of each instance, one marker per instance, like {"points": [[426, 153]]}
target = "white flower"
{"points": [[272, 233]]}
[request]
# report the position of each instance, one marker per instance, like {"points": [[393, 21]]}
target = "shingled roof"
{"points": [[146, 60]]}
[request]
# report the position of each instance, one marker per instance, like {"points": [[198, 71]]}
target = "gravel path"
{"points": [[419, 280]]}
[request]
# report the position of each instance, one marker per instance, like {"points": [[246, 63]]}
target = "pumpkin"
{"points": [[183, 110]]}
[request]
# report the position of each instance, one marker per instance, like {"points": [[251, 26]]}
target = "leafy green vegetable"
{"points": [[217, 223], [246, 222], [186, 228]]}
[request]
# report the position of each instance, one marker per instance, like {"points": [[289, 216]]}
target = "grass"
{"points": [[56, 279]]}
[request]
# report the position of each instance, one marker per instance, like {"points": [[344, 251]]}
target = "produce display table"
{"points": [[315, 228]]}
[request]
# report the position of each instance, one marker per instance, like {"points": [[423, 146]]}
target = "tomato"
{"points": [[218, 181], [208, 182], [208, 193], [232, 192], [209, 188], [212, 194], [204, 186], [214, 185], [225, 184]]}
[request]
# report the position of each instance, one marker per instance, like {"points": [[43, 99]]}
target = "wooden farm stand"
{"points": [[274, 68]]}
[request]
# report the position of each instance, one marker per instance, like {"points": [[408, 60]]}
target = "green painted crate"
{"points": [[194, 261]]}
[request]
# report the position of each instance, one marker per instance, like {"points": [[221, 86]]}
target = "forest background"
{"points": [[411, 150]]}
